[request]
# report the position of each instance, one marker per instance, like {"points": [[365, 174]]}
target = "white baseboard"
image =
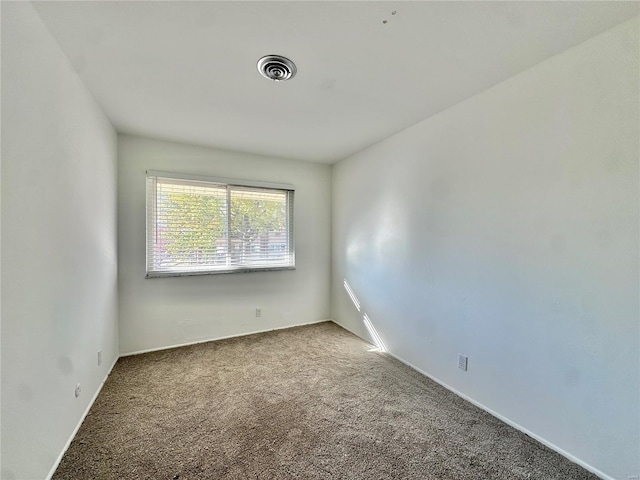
{"points": [[75, 430], [506, 420], [168, 347]]}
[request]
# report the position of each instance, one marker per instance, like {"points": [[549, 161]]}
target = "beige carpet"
{"points": [[309, 402]]}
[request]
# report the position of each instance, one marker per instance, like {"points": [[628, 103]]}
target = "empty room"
{"points": [[349, 240]]}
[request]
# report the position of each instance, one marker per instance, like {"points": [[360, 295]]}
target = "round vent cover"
{"points": [[276, 67]]}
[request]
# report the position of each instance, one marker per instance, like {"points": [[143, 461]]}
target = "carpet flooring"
{"points": [[310, 402]]}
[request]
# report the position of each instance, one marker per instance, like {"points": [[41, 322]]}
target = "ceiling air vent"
{"points": [[276, 67]]}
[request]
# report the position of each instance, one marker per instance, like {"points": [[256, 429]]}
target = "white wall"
{"points": [[506, 229], [161, 312], [59, 304]]}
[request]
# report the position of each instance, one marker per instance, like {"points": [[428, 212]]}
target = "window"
{"points": [[199, 225]]}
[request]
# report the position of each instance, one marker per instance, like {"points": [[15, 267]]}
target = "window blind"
{"points": [[197, 225]]}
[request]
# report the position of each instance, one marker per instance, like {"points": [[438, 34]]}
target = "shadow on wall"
{"points": [[375, 336]]}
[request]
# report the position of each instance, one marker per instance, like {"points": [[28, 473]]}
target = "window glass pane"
{"points": [[191, 225], [258, 227]]}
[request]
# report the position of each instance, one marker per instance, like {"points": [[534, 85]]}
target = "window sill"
{"points": [[216, 272]]}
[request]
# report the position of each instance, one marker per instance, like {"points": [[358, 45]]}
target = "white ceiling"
{"points": [[186, 71]]}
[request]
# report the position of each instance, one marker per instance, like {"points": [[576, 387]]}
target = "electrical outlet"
{"points": [[78, 390], [99, 357], [462, 362], [258, 312]]}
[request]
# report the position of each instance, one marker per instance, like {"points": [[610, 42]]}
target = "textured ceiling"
{"points": [[186, 71]]}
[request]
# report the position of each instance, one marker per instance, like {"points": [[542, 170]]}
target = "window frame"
{"points": [[150, 214]]}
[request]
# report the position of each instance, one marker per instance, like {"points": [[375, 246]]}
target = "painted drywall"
{"points": [[161, 312], [59, 295], [506, 229]]}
